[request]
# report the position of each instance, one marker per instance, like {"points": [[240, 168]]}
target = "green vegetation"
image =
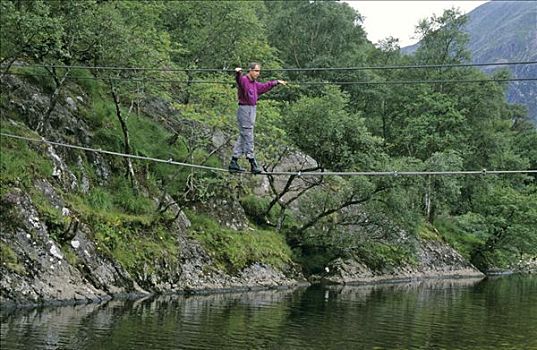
{"points": [[256, 208], [10, 260], [381, 256], [428, 232], [164, 112], [136, 247], [20, 161], [234, 250], [455, 235]]}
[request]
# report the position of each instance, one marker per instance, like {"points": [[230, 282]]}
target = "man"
{"points": [[248, 91]]}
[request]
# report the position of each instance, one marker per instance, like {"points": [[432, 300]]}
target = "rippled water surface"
{"points": [[495, 313]]}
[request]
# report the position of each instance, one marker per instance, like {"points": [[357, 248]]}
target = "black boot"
{"points": [[255, 168], [234, 166]]}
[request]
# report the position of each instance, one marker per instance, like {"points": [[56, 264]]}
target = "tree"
{"points": [[442, 39], [29, 28], [441, 192], [506, 221], [128, 33], [323, 129], [428, 124], [315, 33], [53, 34], [217, 34]]}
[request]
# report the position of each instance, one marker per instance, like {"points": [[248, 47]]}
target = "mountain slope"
{"points": [[506, 31]]}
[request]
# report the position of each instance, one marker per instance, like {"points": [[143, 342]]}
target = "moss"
{"points": [[235, 250], [10, 259], [255, 207]]}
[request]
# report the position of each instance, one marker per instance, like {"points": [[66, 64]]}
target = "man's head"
{"points": [[254, 69]]}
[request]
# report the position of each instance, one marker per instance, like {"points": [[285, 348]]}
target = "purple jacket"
{"points": [[249, 91]]}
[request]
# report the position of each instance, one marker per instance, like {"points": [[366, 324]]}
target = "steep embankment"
{"points": [[69, 236]]}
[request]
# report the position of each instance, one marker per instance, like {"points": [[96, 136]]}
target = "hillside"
{"points": [[65, 239], [114, 158], [506, 31]]}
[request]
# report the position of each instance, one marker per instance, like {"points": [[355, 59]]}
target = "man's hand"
{"points": [[282, 82], [238, 69]]}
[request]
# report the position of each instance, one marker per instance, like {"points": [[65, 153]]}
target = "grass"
{"points": [[379, 256], [87, 81], [20, 163], [456, 237], [428, 232], [10, 259], [138, 248], [235, 250]]}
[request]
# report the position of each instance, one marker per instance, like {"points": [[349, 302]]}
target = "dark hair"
{"points": [[252, 65]]}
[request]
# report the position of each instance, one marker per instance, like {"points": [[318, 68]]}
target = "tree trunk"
{"points": [[126, 138], [428, 202], [43, 120], [11, 61]]}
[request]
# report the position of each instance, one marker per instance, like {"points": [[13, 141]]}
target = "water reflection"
{"points": [[440, 314]]}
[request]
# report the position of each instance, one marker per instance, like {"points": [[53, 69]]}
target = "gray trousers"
{"points": [[245, 141]]}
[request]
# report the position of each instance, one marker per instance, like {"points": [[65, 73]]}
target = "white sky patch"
{"points": [[399, 18]]}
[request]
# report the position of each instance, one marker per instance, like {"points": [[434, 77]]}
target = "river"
{"points": [[493, 313]]}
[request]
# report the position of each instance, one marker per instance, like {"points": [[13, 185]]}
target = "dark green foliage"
{"points": [[217, 34], [327, 34], [314, 259], [322, 128]]}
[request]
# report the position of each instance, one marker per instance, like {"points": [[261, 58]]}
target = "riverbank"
{"points": [[38, 267]]}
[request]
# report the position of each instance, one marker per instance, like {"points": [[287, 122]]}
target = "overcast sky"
{"points": [[398, 18]]}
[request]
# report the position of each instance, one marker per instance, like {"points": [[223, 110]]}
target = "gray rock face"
{"points": [[47, 275], [58, 259], [436, 259]]}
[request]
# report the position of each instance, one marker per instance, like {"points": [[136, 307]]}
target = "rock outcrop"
{"points": [[435, 260]]}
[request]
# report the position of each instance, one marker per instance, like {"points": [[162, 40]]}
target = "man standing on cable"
{"points": [[249, 90]]}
